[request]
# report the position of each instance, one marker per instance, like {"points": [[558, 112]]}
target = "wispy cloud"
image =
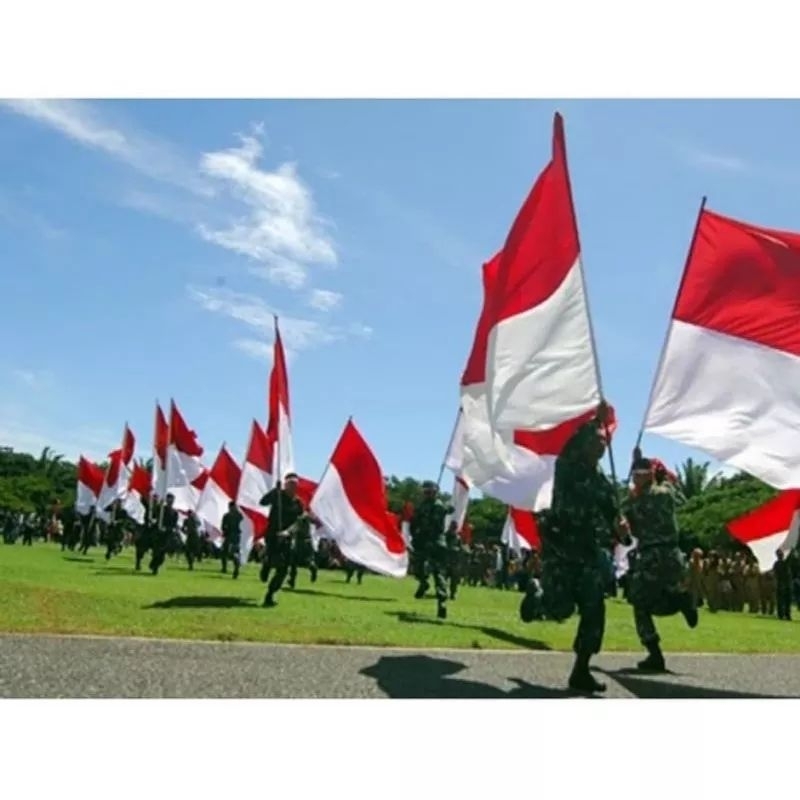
{"points": [[33, 379], [324, 300], [85, 124], [712, 161], [298, 333], [14, 213], [280, 228]]}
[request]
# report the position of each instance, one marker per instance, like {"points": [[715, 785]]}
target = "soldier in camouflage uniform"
{"points": [[352, 568], [303, 555], [580, 524], [114, 532], [232, 538], [165, 528], [455, 558], [428, 541], [286, 517], [191, 530], [658, 570]]}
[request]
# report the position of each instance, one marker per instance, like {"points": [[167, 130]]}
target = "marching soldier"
{"points": [[286, 515], [165, 530], [782, 571], [232, 538], [352, 568], [430, 546], [455, 559], [191, 530]]}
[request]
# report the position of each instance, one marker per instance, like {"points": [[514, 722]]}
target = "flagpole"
{"points": [[166, 464], [667, 337], [278, 470], [598, 377], [449, 445], [121, 454], [153, 486]]}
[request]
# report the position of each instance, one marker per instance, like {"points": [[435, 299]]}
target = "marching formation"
{"points": [[532, 427]]}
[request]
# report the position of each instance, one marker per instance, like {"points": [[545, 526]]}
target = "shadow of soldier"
{"points": [[202, 602], [492, 633], [359, 597], [428, 677], [648, 688]]}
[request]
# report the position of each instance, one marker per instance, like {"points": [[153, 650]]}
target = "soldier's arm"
{"points": [[269, 498]]}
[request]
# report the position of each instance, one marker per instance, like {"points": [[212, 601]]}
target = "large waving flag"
{"points": [[115, 484], [139, 487], [729, 375], [521, 531], [185, 471], [460, 504], [279, 427], [160, 445], [256, 481], [771, 527], [350, 502], [221, 487], [90, 484]]}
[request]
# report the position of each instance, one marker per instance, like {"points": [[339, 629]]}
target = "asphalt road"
{"points": [[82, 667]]}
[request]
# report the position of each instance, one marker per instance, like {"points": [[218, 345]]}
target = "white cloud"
{"points": [[363, 331], [261, 351], [324, 300], [714, 162], [280, 228], [86, 125]]}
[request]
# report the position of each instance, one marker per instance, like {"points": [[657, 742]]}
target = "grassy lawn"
{"points": [[43, 590]]}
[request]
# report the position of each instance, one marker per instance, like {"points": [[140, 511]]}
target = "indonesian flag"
{"points": [[279, 428], [460, 504], [185, 476], [90, 484], [771, 527], [115, 484], [256, 481], [221, 487], [729, 376], [405, 522], [350, 502], [521, 531], [139, 488], [531, 378], [160, 444]]}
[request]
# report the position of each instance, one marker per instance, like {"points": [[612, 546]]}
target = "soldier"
{"points": [[231, 538], [163, 532], [751, 587], [191, 530], [783, 585], [114, 531], [658, 571], [302, 555], [696, 577], [455, 558], [767, 592], [711, 581], [285, 517], [582, 520], [737, 582], [430, 546], [351, 568]]}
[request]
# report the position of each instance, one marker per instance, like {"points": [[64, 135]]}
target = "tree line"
{"points": [[34, 484]]}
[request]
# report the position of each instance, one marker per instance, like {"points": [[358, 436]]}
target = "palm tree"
{"points": [[49, 461], [693, 478]]}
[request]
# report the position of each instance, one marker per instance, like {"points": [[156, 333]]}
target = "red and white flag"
{"points": [[771, 527], [279, 427], [531, 377], [90, 484], [221, 487], [160, 445], [405, 522], [185, 470], [118, 472], [729, 375], [521, 531], [139, 487], [256, 481], [460, 503], [350, 502]]}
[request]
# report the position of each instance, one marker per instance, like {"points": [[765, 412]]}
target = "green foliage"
{"points": [[30, 484]]}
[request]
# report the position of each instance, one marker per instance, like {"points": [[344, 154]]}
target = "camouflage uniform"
{"points": [[455, 559], [782, 570], [657, 585], [162, 534], [429, 544], [191, 528], [231, 538], [575, 532]]}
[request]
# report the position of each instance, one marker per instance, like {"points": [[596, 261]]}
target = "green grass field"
{"points": [[43, 590]]}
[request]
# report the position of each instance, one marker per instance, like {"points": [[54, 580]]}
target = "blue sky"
{"points": [[145, 246]]}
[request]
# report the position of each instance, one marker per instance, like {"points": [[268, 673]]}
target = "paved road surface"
{"points": [[53, 666]]}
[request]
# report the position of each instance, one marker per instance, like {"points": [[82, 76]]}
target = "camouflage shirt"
{"points": [[583, 512], [291, 509], [231, 528], [651, 515], [427, 524]]}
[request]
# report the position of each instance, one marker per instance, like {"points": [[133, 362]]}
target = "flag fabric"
{"points": [[118, 473], [405, 522], [541, 369], [521, 531], [139, 487], [770, 527], [728, 378], [279, 426], [221, 487], [460, 504], [256, 481], [621, 557], [466, 534], [160, 445], [185, 470], [90, 484], [350, 502]]}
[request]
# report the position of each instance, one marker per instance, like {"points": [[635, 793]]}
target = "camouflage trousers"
{"points": [[657, 588], [568, 586], [432, 561]]}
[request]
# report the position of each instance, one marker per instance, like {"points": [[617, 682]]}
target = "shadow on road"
{"points": [[202, 602], [360, 597], [428, 677], [493, 633], [652, 689]]}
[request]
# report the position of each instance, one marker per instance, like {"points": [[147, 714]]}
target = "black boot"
{"points": [[313, 574], [421, 589], [690, 614], [654, 661], [269, 601], [581, 679], [441, 610]]}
